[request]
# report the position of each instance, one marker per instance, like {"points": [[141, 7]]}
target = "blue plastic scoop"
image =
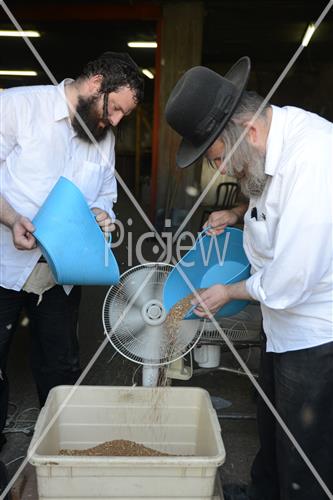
{"points": [[212, 260], [72, 241]]}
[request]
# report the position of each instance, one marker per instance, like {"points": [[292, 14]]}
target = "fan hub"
{"points": [[153, 312]]}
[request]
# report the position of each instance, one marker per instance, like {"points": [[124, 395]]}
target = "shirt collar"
{"points": [[61, 109], [275, 139]]}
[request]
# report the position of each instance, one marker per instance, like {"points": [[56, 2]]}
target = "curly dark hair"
{"points": [[118, 70]]}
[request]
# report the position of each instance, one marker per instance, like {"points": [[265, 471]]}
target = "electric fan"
{"points": [[134, 318]]}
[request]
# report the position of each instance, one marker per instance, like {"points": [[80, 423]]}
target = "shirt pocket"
{"points": [[89, 179], [259, 238]]}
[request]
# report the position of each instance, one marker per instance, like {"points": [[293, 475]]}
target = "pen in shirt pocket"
{"points": [[254, 214]]}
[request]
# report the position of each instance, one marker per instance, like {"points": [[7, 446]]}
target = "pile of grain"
{"points": [[116, 448]]}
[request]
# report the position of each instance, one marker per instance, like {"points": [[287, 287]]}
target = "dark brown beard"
{"points": [[86, 109]]}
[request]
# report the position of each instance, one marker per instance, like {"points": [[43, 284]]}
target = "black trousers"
{"points": [[54, 344], [300, 385]]}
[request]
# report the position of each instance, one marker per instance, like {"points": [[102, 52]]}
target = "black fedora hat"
{"points": [[200, 106]]}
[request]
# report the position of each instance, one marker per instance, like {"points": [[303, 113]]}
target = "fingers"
{"points": [[27, 224], [24, 241], [203, 314], [218, 222], [106, 225], [105, 222], [204, 311], [29, 242], [101, 216], [22, 237], [211, 300], [201, 306], [210, 231], [214, 230]]}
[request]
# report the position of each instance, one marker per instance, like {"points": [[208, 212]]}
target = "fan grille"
{"points": [[243, 327]]}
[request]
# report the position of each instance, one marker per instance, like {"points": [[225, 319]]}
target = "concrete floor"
{"points": [[239, 434]]}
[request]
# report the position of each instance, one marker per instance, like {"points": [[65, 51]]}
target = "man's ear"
{"points": [[94, 83], [252, 134]]}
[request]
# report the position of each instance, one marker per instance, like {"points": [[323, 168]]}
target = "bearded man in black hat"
{"points": [[283, 164]]}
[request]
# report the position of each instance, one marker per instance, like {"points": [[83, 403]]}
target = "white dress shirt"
{"points": [[37, 146], [290, 244]]}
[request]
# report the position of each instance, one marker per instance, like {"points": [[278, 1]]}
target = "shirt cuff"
{"points": [[254, 288], [105, 205]]}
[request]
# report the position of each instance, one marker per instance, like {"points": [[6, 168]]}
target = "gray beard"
{"points": [[253, 184]]}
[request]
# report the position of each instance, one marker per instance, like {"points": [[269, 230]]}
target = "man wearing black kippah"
{"points": [[49, 131]]}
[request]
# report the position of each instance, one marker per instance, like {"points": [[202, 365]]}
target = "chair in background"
{"points": [[226, 197]]}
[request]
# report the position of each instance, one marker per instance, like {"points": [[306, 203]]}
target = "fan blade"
{"points": [[147, 343], [123, 317], [157, 290], [138, 287], [126, 338], [159, 279], [183, 339], [187, 332]]}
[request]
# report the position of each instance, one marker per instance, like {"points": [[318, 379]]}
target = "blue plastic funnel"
{"points": [[212, 260], [72, 241]]}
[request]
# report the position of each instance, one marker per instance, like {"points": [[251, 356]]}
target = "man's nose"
{"points": [[115, 118]]}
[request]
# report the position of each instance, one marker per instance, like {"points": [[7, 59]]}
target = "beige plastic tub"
{"points": [[177, 420]]}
